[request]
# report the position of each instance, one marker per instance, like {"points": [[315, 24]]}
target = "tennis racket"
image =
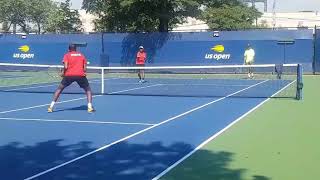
{"points": [[55, 72]]}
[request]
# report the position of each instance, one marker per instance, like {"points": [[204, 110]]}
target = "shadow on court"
{"points": [[120, 162], [78, 108], [208, 165]]}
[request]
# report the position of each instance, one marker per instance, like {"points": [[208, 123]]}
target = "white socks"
{"points": [[89, 105], [52, 104]]}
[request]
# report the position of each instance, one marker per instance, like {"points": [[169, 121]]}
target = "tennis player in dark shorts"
{"points": [[140, 62], [249, 56], [75, 65]]}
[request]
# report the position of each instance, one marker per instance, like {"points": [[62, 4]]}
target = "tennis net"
{"points": [[186, 81]]}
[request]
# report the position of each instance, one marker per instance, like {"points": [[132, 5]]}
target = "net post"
{"points": [[299, 82], [102, 81]]}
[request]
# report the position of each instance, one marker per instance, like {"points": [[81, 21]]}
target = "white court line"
{"points": [[49, 85], [228, 85], [117, 92], [31, 87], [72, 100], [140, 132], [186, 84], [77, 121], [106, 79], [217, 134]]}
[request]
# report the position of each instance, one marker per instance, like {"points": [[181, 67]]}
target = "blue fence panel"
{"points": [[198, 48], [204, 49], [46, 49], [317, 51]]}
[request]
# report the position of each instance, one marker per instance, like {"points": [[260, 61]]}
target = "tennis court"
{"points": [[140, 130]]}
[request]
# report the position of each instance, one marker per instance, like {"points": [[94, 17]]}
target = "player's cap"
{"points": [[141, 47], [72, 47]]}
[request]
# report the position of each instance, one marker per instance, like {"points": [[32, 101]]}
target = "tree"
{"points": [[63, 19], [171, 12], [23, 13], [232, 16], [14, 12], [39, 11], [137, 15], [45, 14], [162, 15]]}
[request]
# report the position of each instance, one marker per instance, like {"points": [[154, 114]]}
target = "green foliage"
{"points": [[125, 15], [39, 11], [230, 17], [140, 15], [46, 15], [163, 15], [63, 19], [14, 12], [119, 16], [220, 3]]}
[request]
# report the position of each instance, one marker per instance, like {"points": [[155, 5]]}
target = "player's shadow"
{"points": [[123, 161], [152, 43], [260, 178], [77, 108]]}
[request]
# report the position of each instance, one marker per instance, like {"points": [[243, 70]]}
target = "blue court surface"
{"points": [[131, 136]]}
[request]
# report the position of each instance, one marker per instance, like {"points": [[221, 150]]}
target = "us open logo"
{"points": [[24, 53], [219, 55]]}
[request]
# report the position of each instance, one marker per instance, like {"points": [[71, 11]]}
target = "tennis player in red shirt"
{"points": [[75, 65], [140, 62]]}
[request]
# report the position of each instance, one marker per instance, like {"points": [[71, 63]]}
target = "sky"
{"points": [[294, 5], [281, 5]]}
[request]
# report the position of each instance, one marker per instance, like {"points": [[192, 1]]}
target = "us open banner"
{"points": [[174, 48], [205, 48], [46, 49]]}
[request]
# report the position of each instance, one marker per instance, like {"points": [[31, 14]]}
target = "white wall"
{"points": [[306, 19]]}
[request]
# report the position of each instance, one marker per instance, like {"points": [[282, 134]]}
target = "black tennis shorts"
{"points": [[249, 63], [140, 65], [81, 80]]}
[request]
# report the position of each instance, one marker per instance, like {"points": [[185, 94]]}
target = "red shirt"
{"points": [[141, 57], [75, 64]]}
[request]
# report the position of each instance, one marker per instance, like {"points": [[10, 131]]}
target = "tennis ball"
{"points": [[88, 62], [218, 48]]}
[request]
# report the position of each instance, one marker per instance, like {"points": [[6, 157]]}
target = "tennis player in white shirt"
{"points": [[249, 56]]}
